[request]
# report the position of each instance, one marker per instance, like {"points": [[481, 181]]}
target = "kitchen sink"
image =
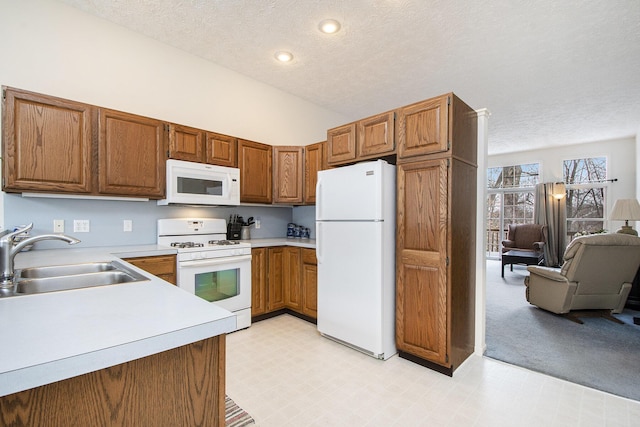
{"points": [[37, 280], [65, 270]]}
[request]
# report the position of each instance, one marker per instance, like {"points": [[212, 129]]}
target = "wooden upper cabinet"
{"points": [[341, 144], [288, 174], [423, 127], [186, 143], [376, 135], [47, 143], [314, 161], [254, 161], [221, 150], [131, 150]]}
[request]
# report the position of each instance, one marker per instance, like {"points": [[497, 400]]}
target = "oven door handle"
{"points": [[214, 261]]}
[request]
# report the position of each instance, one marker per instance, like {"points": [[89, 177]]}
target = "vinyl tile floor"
{"points": [[284, 373]]}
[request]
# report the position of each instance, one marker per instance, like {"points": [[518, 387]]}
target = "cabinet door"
{"points": [[162, 266], [292, 278], [275, 288], [314, 159], [47, 143], [422, 322], [423, 128], [341, 144], [288, 174], [186, 143], [258, 281], [376, 135], [132, 155], [221, 150], [309, 283], [254, 161]]}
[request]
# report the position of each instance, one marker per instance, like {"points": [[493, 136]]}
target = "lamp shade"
{"points": [[625, 210]]}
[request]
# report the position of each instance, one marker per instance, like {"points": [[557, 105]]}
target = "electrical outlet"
{"points": [[58, 225], [127, 225], [81, 226], [257, 224]]}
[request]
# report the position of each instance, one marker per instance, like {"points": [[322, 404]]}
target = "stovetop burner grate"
{"points": [[182, 245], [223, 242]]}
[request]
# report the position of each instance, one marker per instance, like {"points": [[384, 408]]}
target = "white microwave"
{"points": [[190, 183]]}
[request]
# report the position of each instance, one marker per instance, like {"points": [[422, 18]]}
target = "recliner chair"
{"points": [[597, 274], [525, 237]]}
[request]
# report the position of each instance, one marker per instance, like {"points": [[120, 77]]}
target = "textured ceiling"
{"points": [[550, 72]]}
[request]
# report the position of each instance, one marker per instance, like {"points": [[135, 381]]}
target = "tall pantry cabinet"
{"points": [[435, 246]]}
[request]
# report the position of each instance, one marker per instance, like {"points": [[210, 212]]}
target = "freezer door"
{"points": [[351, 192], [350, 283]]}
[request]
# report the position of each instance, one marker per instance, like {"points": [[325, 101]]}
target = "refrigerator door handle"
{"points": [[318, 197], [319, 242]]}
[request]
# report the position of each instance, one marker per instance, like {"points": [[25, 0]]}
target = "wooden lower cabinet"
{"points": [[292, 278], [435, 265], [275, 281], [284, 277], [162, 266], [184, 386], [259, 277], [309, 283]]}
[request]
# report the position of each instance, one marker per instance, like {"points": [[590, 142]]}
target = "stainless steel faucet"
{"points": [[9, 248]]}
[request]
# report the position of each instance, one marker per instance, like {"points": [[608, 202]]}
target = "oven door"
{"points": [[224, 281]]}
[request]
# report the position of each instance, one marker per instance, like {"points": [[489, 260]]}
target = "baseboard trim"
{"points": [[284, 311], [427, 364]]}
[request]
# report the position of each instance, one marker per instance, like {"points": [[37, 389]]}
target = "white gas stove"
{"points": [[209, 266]]}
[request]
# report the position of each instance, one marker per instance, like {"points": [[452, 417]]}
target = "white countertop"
{"points": [[282, 241], [53, 336]]}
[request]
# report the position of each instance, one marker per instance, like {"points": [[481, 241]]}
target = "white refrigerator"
{"points": [[355, 245]]}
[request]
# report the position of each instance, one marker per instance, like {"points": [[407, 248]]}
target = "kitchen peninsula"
{"points": [[140, 353]]}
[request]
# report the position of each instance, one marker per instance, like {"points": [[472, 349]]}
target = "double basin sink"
{"points": [[35, 280]]}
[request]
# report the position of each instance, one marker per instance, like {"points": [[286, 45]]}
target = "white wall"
{"points": [[51, 48], [621, 157]]}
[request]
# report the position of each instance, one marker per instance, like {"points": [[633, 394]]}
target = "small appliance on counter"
{"points": [[238, 228]]}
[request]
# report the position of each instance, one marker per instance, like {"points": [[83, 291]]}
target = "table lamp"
{"points": [[626, 210]]}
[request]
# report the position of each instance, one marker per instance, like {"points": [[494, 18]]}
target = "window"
{"points": [[586, 192], [510, 201]]}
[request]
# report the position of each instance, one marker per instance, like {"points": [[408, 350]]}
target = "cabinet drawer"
{"points": [[163, 266]]}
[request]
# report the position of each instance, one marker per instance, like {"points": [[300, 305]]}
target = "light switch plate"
{"points": [[58, 225], [127, 225]]}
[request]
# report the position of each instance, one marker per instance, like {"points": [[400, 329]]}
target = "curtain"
{"points": [[551, 210]]}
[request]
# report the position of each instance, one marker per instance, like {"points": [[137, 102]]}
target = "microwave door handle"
{"points": [[213, 261]]}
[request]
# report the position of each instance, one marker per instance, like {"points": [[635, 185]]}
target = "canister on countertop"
{"points": [[290, 230]]}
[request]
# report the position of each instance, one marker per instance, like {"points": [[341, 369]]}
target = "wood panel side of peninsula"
{"points": [[178, 387]]}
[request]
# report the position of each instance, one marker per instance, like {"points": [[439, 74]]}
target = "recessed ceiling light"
{"points": [[283, 56], [329, 26]]}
